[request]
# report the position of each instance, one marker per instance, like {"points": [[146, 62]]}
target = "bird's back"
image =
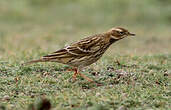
{"points": [[81, 53]]}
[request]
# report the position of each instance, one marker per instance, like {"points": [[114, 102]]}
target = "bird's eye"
{"points": [[121, 33]]}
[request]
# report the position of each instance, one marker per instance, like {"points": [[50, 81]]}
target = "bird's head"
{"points": [[119, 33]]}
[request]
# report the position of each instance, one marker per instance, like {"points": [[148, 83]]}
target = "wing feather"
{"points": [[90, 44], [79, 49]]}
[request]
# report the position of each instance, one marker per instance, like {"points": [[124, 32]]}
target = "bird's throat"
{"points": [[113, 40]]}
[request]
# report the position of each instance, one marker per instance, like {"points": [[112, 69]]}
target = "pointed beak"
{"points": [[131, 34]]}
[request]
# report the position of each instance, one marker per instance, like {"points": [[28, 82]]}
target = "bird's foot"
{"points": [[85, 77]]}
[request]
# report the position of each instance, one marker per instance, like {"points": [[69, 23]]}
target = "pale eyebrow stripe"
{"points": [[118, 30]]}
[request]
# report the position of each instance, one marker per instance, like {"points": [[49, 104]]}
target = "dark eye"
{"points": [[121, 33]]}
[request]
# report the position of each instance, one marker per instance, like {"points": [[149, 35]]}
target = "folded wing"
{"points": [[77, 50]]}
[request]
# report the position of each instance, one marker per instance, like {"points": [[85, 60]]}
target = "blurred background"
{"points": [[30, 28]]}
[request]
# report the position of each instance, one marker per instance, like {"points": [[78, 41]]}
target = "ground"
{"points": [[134, 73]]}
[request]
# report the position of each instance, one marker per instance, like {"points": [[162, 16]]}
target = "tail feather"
{"points": [[34, 61]]}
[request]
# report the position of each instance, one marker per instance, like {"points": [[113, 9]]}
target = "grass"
{"points": [[135, 72], [129, 84]]}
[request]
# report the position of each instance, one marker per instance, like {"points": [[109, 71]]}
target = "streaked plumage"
{"points": [[86, 51]]}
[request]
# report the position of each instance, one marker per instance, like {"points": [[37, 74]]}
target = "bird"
{"points": [[86, 51]]}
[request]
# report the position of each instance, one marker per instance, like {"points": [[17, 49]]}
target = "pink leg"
{"points": [[75, 74]]}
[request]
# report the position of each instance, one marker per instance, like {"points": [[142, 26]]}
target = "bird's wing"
{"points": [[90, 44], [79, 49]]}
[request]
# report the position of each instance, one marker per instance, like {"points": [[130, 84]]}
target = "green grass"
{"points": [[135, 73], [129, 84]]}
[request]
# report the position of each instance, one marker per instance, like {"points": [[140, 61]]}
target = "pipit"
{"points": [[86, 51]]}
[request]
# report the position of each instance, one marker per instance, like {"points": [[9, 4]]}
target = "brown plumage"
{"points": [[86, 51]]}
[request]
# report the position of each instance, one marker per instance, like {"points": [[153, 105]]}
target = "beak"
{"points": [[131, 34]]}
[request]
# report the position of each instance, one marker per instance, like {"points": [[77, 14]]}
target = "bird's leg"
{"points": [[75, 74], [82, 75], [85, 77]]}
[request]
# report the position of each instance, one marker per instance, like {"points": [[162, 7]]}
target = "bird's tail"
{"points": [[34, 61]]}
